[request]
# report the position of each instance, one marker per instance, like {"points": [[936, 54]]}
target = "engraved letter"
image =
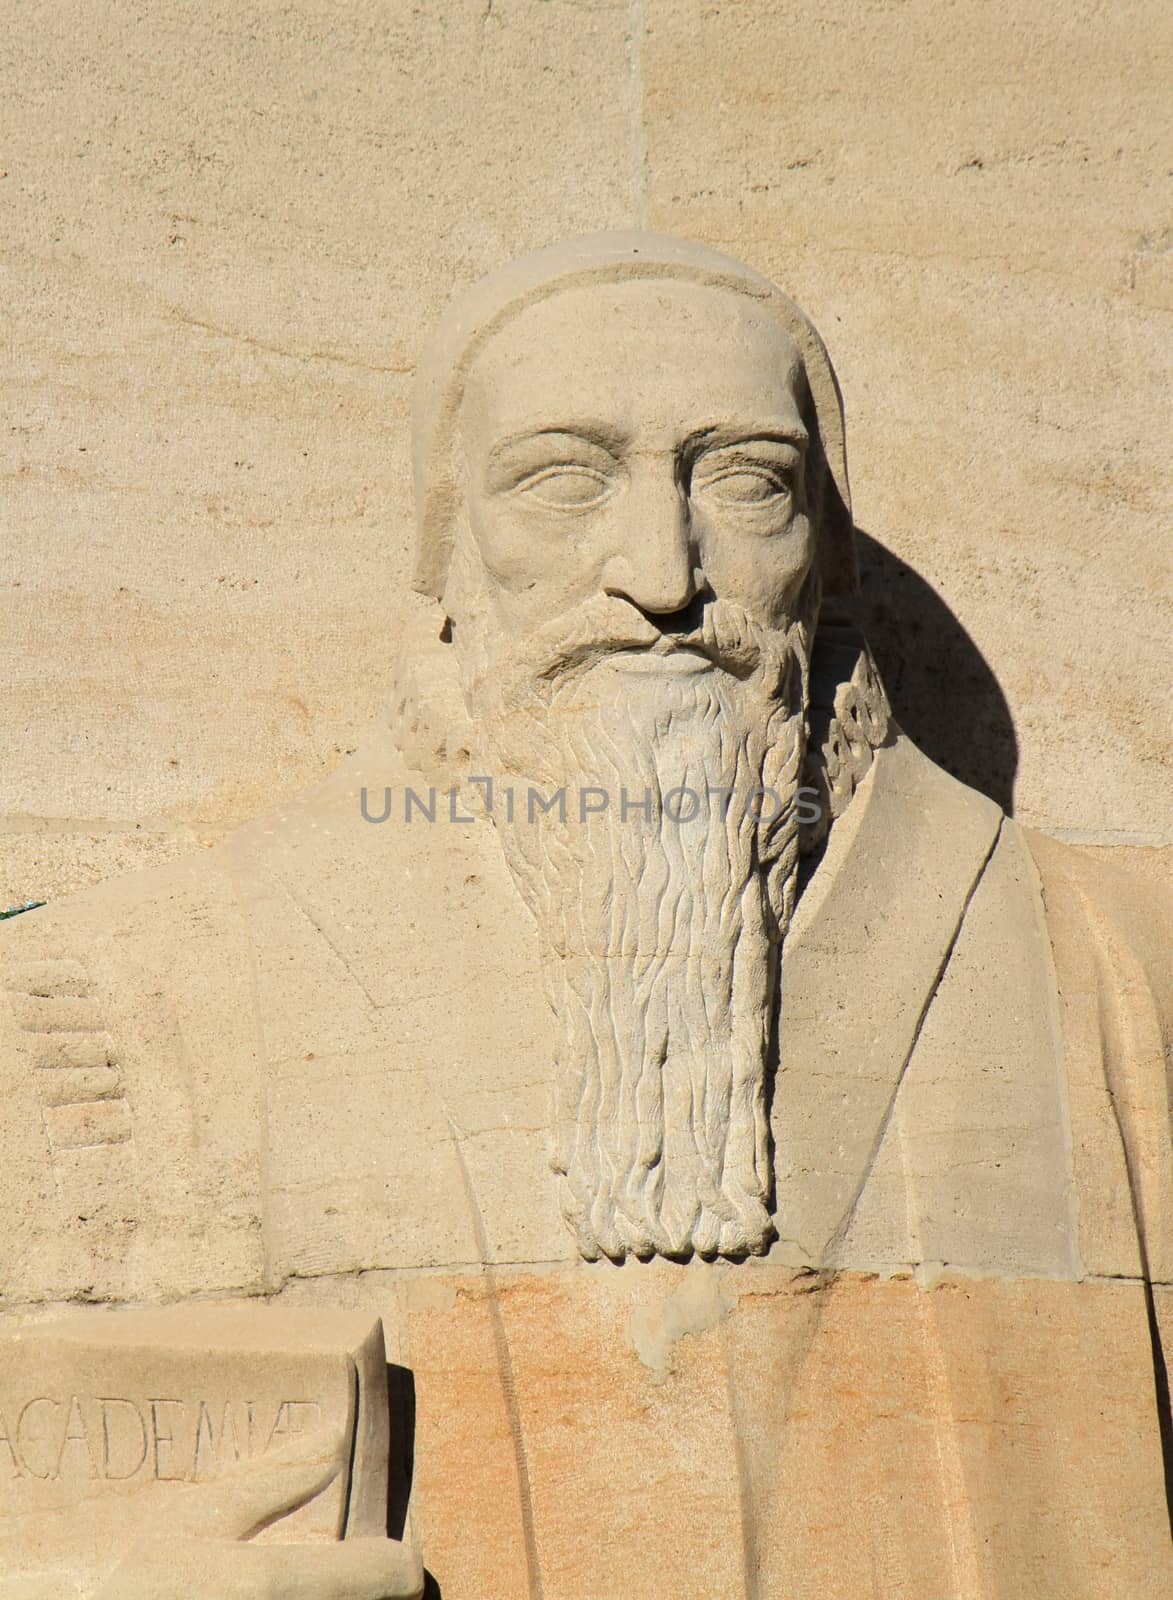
{"points": [[206, 1429], [25, 1437], [162, 1440], [6, 1441], [110, 1442], [76, 1433], [288, 1423]]}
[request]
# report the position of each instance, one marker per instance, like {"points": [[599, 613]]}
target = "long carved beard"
{"points": [[660, 932]]}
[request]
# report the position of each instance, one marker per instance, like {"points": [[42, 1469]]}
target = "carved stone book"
{"points": [[151, 1407]]}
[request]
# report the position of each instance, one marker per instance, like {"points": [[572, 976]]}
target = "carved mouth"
{"points": [[663, 656]]}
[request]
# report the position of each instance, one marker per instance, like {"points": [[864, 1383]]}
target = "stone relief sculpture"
{"points": [[753, 1143]]}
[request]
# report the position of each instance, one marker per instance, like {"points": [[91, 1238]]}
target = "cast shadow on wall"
{"points": [[401, 1407], [943, 691]]}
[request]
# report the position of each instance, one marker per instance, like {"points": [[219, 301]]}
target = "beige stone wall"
{"points": [[226, 228]]}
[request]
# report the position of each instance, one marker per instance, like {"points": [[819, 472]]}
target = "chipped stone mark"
{"points": [[504, 1367], [74, 1076], [351, 972], [1147, 245], [338, 357], [701, 1302]]}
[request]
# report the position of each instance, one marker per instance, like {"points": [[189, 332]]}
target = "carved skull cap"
{"points": [[474, 316]]}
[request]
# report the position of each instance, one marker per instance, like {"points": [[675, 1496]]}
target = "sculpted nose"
{"points": [[657, 567]]}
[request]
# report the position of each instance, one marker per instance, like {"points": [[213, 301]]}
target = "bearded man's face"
{"points": [[632, 599]]}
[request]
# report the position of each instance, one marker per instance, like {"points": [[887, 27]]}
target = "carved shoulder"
{"points": [[1111, 931]]}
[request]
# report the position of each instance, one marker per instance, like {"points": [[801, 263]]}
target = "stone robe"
{"points": [[314, 1064]]}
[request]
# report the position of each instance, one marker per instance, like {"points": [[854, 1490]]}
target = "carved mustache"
{"points": [[606, 624]]}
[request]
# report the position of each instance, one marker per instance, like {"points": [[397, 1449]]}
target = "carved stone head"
{"points": [[674, 346], [632, 491]]}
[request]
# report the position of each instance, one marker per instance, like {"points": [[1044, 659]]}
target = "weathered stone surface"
{"points": [[759, 1202], [715, 1412], [153, 1423], [226, 229], [969, 202], [47, 861]]}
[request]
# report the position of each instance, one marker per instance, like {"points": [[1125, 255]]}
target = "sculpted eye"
{"points": [[566, 488], [743, 485]]}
